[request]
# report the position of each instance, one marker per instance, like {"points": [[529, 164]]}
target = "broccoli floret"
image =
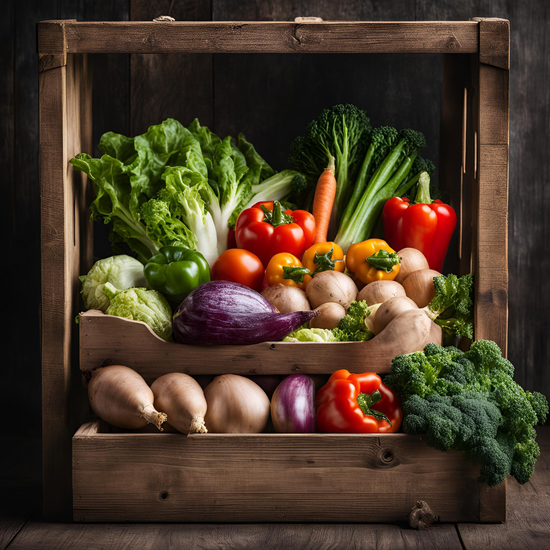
{"points": [[470, 402], [352, 327], [483, 353], [382, 141], [495, 457], [539, 404], [299, 184]]}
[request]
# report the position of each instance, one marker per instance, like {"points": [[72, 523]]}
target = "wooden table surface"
{"points": [[21, 527]]}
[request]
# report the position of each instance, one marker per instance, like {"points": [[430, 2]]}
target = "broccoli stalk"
{"points": [[381, 142], [383, 184]]}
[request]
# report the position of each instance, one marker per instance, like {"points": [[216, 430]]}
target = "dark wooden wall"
{"points": [[260, 95]]}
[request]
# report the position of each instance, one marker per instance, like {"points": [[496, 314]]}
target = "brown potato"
{"points": [[419, 286], [389, 310], [380, 291], [411, 260], [331, 286], [329, 316], [286, 299]]}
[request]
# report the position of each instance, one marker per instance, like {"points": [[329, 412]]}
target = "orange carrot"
{"points": [[324, 201]]}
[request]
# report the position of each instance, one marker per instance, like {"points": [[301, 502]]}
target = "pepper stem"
{"points": [[423, 192], [366, 401], [384, 260], [325, 262], [277, 217], [295, 273]]}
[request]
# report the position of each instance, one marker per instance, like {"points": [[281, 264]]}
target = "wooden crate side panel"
{"points": [[271, 477], [264, 37], [65, 128], [490, 204], [108, 340]]}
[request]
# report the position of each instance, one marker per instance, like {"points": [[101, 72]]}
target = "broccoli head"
{"points": [[470, 402]]}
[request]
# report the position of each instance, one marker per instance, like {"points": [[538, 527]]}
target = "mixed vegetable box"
{"points": [[347, 246]]}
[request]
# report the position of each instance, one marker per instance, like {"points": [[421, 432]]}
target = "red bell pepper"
{"points": [[425, 225], [265, 230], [357, 403]]}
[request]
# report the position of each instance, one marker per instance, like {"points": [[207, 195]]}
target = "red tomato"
{"points": [[239, 266]]}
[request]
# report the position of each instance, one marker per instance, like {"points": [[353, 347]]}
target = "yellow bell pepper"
{"points": [[317, 258], [373, 260], [285, 269]]}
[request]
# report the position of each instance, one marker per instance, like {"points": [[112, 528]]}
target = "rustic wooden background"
{"points": [[269, 98]]}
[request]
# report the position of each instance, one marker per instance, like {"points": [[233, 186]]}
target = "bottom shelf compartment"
{"points": [[169, 477]]}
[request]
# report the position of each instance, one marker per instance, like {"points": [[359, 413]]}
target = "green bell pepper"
{"points": [[175, 271]]}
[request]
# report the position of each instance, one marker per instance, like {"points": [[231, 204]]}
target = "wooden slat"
{"points": [[491, 203], [267, 477], [494, 41], [65, 127], [108, 340], [46, 536], [263, 37]]}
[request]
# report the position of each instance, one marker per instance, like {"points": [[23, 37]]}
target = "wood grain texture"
{"points": [[65, 127], [46, 536], [109, 340], [264, 37], [491, 265], [529, 205], [266, 477], [494, 42]]}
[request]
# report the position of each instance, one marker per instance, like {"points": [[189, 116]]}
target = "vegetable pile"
{"points": [[470, 402], [230, 252]]}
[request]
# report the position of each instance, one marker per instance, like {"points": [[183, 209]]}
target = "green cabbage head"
{"points": [[121, 272], [140, 304]]}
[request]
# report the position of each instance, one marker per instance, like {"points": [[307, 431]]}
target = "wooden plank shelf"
{"points": [[271, 477], [109, 340], [57, 37]]}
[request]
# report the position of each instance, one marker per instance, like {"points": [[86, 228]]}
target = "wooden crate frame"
{"points": [[474, 167]]}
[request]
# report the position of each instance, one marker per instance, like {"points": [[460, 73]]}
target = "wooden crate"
{"points": [[265, 477]]}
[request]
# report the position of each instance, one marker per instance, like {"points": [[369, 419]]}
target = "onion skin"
{"points": [[235, 405], [121, 397], [224, 313], [182, 398], [293, 405]]}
